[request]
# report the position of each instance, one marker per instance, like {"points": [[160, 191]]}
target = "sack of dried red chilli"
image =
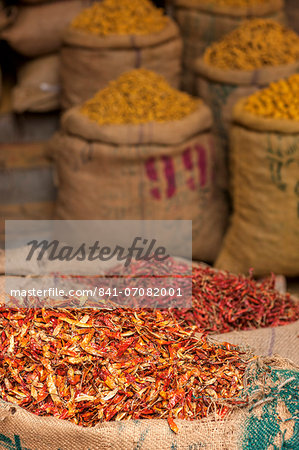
{"points": [[112, 379], [222, 302], [142, 150]]}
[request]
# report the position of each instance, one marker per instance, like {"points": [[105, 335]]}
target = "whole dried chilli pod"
{"points": [[121, 17], [89, 366], [223, 302], [254, 44], [139, 96], [279, 100]]}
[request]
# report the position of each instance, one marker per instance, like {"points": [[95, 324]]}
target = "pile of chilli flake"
{"points": [[89, 366]]}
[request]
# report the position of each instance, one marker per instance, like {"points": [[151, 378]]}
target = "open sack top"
{"points": [[77, 38], [259, 123], [258, 10], [260, 77], [168, 133]]}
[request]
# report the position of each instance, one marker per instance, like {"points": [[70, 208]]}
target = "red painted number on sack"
{"points": [[202, 165], [169, 171], [187, 160], [153, 176], [169, 175]]}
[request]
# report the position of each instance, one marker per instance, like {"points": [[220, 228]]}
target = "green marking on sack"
{"points": [[276, 177], [9, 444], [141, 439], [196, 446], [266, 429], [280, 159]]}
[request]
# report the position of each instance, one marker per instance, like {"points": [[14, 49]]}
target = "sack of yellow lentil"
{"points": [[264, 230], [38, 29], [141, 150], [113, 37], [38, 87], [203, 22], [247, 59]]}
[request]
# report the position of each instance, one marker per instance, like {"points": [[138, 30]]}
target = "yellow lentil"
{"points": [[121, 17], [139, 96], [279, 100], [256, 43]]}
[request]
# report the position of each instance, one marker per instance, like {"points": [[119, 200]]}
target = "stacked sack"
{"points": [[38, 87], [141, 150], [115, 36], [249, 58], [264, 231], [204, 21], [36, 33]]}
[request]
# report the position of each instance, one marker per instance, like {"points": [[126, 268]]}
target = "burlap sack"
{"points": [[203, 22], [38, 88], [23, 430], [151, 171], [89, 62], [264, 229], [283, 341], [221, 89], [38, 29]]}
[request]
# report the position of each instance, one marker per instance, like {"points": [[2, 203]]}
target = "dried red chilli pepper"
{"points": [[223, 302], [75, 369]]}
